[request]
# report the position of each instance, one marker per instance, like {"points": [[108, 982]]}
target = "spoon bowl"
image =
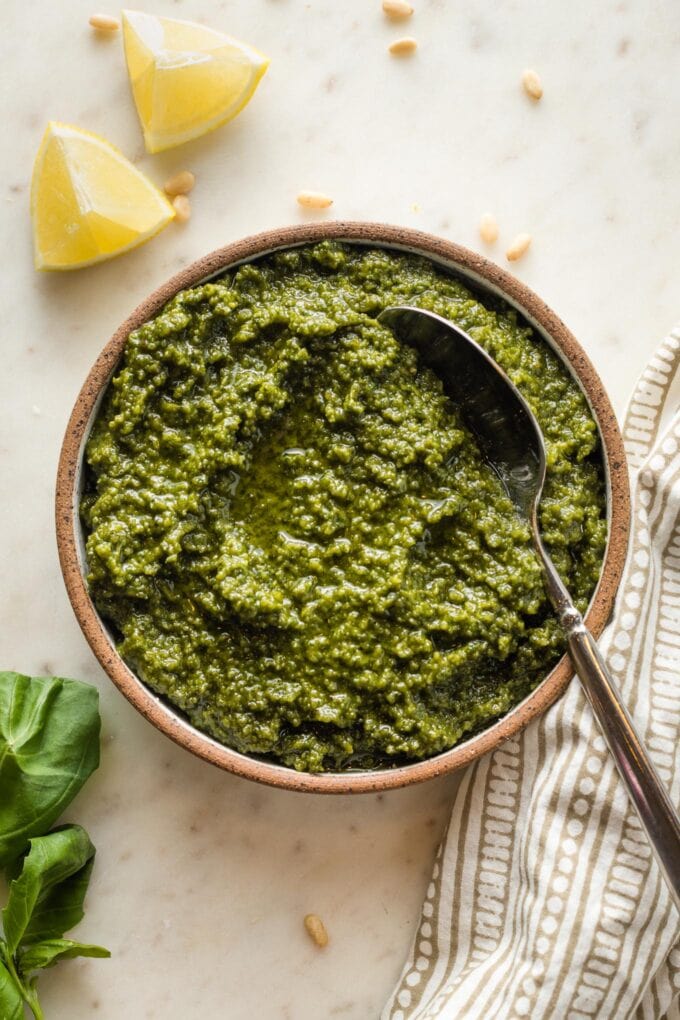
{"points": [[506, 429]]}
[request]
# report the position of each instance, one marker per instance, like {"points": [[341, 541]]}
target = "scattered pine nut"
{"points": [[316, 930], [403, 47], [182, 207], [518, 247], [532, 84], [180, 184], [397, 9], [104, 23], [314, 200], [488, 228]]}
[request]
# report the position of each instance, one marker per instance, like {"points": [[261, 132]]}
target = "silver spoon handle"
{"points": [[646, 790], [645, 787]]}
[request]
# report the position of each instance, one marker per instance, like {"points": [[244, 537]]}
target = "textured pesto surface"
{"points": [[293, 536]]}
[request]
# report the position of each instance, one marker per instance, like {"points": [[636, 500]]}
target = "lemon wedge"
{"points": [[88, 202], [186, 79]]}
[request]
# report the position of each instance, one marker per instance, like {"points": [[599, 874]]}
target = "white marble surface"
{"points": [[202, 879]]}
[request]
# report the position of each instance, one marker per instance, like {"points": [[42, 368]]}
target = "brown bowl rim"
{"points": [[67, 524]]}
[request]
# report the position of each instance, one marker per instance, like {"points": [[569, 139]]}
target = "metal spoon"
{"points": [[511, 440]]}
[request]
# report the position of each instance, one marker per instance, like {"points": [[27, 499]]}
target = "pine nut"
{"points": [[182, 207], [316, 930], [314, 200], [180, 184], [518, 247], [532, 84], [397, 9], [488, 228], [104, 23], [403, 47]]}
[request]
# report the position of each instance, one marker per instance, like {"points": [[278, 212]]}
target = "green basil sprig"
{"points": [[49, 746]]}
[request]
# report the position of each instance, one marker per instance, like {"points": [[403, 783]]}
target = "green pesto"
{"points": [[293, 536]]}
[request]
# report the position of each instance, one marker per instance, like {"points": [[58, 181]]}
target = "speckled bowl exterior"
{"points": [[483, 275]]}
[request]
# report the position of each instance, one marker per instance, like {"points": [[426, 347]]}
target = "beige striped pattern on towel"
{"points": [[545, 901]]}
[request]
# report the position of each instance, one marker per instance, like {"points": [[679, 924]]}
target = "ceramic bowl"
{"points": [[485, 277]]}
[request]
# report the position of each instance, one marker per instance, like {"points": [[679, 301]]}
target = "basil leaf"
{"points": [[11, 1002], [47, 898], [49, 952], [49, 746]]}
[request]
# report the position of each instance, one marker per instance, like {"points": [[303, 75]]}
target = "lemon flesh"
{"points": [[186, 79], [88, 202]]}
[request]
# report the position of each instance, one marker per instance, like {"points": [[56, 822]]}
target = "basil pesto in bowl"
{"points": [[291, 538]]}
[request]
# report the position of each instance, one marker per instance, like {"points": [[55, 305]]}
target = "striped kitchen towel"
{"points": [[545, 901]]}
